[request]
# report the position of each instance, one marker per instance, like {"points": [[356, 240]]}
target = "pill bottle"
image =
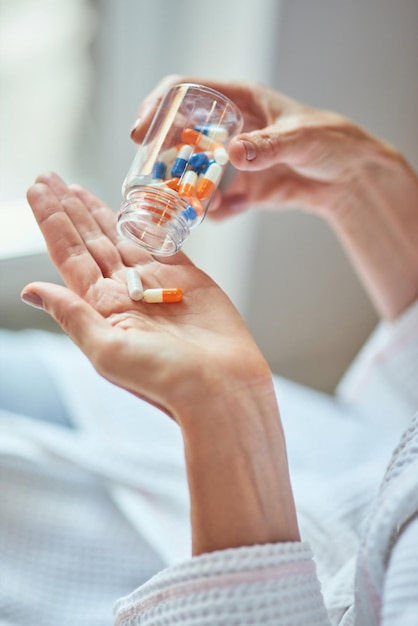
{"points": [[177, 168]]}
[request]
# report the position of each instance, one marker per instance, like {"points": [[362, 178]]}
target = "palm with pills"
{"points": [[163, 353]]}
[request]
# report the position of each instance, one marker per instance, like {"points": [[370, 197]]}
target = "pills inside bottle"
{"points": [[177, 168]]}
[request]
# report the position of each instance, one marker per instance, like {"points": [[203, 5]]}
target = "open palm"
{"points": [[158, 351]]}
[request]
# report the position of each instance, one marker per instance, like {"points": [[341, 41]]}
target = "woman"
{"points": [[198, 363]]}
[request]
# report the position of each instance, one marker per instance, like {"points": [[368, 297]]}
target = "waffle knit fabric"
{"points": [[365, 548], [94, 500]]}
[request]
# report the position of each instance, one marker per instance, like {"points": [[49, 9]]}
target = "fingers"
{"points": [[150, 104], [101, 342], [262, 149], [80, 321], [313, 143], [104, 216], [276, 188], [245, 95], [66, 247], [101, 242]]}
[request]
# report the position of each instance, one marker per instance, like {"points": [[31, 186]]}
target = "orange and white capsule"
{"points": [[163, 295], [173, 183], [195, 138], [209, 181], [188, 183]]}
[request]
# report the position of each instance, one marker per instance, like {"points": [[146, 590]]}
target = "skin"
{"points": [[196, 360], [292, 155]]}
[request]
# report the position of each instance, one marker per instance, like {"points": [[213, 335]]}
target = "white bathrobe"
{"points": [[98, 509]]}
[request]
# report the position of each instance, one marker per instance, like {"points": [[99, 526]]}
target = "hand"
{"points": [[195, 360], [288, 155], [291, 155], [168, 354]]}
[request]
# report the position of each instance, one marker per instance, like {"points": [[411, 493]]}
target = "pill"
{"points": [[189, 214], [208, 165], [180, 163], [209, 181], [199, 161], [193, 137], [173, 183], [188, 183], [169, 155], [163, 295], [214, 131], [135, 288], [195, 204], [220, 154], [158, 171]]}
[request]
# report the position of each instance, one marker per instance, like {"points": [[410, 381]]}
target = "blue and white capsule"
{"points": [[199, 162], [181, 161], [158, 171], [217, 132], [189, 214]]}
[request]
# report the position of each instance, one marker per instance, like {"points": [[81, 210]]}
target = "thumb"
{"points": [[77, 318], [261, 149]]}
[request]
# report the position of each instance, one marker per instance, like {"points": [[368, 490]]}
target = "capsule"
{"points": [[220, 154], [188, 184], [163, 295], [214, 131], [173, 183], [199, 161], [158, 171], [180, 163], [209, 181], [189, 214], [195, 204], [135, 288], [193, 137], [168, 156]]}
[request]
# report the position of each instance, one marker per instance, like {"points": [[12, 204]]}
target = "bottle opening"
{"points": [[153, 219]]}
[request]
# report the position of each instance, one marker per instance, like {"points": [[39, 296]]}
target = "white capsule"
{"points": [[218, 133], [168, 156], [214, 131], [221, 155], [135, 288]]}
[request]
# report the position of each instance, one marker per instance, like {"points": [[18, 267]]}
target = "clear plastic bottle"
{"points": [[177, 168]]}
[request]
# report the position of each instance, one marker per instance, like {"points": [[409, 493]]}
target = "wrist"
{"points": [[377, 222], [237, 469]]}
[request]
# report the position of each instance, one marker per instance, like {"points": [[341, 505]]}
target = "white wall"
{"points": [[286, 273], [138, 43], [358, 58]]}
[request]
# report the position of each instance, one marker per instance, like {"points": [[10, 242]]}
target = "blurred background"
{"points": [[72, 74]]}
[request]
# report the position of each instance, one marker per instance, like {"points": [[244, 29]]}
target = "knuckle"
{"points": [[268, 147]]}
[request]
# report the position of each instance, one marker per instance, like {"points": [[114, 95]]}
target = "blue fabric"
{"points": [[25, 384]]}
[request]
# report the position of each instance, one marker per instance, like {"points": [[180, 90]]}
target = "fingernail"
{"points": [[135, 126], [32, 299], [250, 150]]}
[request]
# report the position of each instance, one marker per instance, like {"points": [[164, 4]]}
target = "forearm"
{"points": [[378, 225], [237, 470]]}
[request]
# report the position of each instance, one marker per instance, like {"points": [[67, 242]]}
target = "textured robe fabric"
{"points": [[94, 500], [357, 503]]}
